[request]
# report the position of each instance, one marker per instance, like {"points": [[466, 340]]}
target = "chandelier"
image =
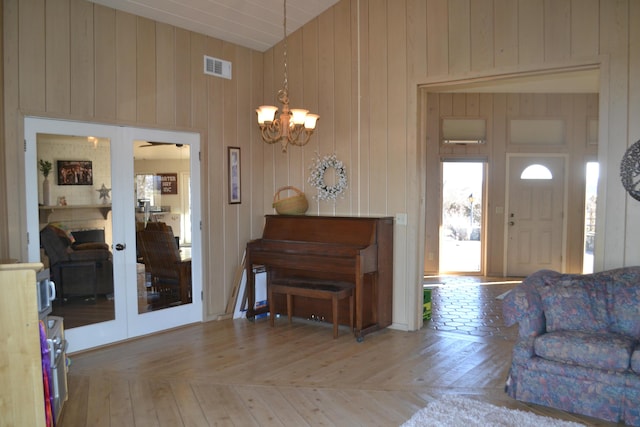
{"points": [[294, 126]]}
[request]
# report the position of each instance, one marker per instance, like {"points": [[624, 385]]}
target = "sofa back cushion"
{"points": [[574, 304]]}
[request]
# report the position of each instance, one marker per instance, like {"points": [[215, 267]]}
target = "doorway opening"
{"points": [[590, 202], [461, 231]]}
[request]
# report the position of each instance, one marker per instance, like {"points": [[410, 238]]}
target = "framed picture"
{"points": [[234, 175], [75, 172], [168, 183]]}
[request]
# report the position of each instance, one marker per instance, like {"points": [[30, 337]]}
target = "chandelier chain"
{"points": [[284, 25]]}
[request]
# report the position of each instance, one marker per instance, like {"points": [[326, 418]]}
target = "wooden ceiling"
{"points": [[256, 24]]}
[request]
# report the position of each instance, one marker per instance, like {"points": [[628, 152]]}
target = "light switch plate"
{"points": [[401, 218]]}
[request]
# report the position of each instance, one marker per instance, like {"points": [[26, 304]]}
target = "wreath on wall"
{"points": [[630, 170], [319, 168]]}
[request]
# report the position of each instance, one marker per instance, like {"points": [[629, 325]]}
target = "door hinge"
{"points": [[25, 145], [201, 295]]}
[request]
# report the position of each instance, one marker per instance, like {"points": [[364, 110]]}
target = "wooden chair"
{"points": [[171, 276]]}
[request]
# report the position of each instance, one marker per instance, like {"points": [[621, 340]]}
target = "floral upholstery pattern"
{"points": [[574, 305], [578, 347], [625, 294], [635, 360]]}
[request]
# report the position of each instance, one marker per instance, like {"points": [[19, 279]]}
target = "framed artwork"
{"points": [[168, 183], [235, 194], [75, 172]]}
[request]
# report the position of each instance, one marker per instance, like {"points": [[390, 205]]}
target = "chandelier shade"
{"points": [[293, 126]]}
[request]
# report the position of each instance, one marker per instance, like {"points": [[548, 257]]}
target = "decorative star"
{"points": [[104, 193]]}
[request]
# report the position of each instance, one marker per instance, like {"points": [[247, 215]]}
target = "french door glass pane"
{"points": [[163, 226], [75, 221]]}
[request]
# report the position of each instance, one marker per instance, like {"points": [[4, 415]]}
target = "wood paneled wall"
{"points": [[365, 66], [376, 115], [75, 60]]}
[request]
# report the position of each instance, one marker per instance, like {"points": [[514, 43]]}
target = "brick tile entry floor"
{"points": [[469, 305]]}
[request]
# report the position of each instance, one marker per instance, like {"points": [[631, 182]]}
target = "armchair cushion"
{"points": [[575, 305]]}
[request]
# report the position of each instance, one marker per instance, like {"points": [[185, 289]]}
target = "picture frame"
{"points": [[75, 172], [235, 187], [168, 183]]}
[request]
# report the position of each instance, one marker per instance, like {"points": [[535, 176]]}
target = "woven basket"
{"points": [[294, 205]]}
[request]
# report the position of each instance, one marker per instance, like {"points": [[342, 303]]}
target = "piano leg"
{"points": [[351, 312], [289, 306], [372, 324]]}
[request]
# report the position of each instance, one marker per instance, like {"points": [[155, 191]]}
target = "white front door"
{"points": [[112, 164], [535, 223]]}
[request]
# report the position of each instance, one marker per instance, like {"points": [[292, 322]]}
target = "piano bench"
{"points": [[312, 288]]}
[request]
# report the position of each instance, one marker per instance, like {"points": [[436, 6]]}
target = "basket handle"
{"points": [[276, 197]]}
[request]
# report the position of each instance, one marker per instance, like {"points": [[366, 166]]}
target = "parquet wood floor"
{"points": [[241, 373]]}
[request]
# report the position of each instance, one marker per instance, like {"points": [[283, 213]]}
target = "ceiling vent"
{"points": [[217, 67]]}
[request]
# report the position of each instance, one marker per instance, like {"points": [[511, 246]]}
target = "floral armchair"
{"points": [[578, 347]]}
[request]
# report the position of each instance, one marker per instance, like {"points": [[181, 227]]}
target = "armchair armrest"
{"points": [[523, 305], [90, 246], [89, 255]]}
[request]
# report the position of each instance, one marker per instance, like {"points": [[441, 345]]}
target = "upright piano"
{"points": [[358, 250]]}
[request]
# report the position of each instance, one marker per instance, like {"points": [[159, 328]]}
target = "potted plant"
{"points": [[45, 168]]}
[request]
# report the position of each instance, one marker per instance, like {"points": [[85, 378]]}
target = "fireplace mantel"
{"points": [[46, 211]]}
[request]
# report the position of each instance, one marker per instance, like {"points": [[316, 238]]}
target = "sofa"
{"points": [[578, 345]]}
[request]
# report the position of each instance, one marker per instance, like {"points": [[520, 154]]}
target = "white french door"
{"points": [[113, 167], [143, 322]]}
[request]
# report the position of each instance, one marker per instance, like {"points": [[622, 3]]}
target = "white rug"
{"points": [[457, 411]]}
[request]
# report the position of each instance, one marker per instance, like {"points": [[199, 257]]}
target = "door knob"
{"points": [[512, 223], [120, 246]]}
